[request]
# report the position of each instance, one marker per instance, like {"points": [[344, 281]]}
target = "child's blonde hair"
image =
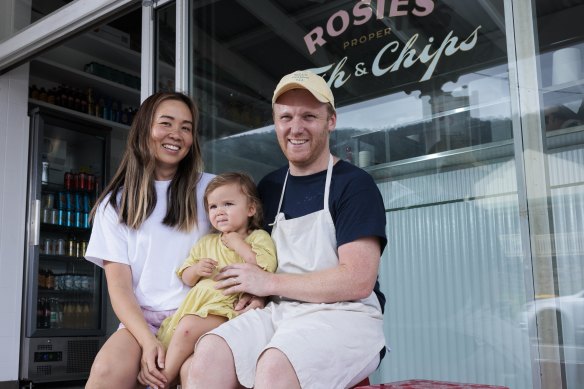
{"points": [[248, 188]]}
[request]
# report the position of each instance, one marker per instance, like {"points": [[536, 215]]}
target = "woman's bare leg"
{"points": [[182, 344], [117, 363]]}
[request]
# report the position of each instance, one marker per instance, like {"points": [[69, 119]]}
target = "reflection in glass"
{"points": [[437, 135], [165, 48], [555, 316], [26, 12]]}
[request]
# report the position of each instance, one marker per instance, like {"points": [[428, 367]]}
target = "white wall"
{"points": [[14, 133]]}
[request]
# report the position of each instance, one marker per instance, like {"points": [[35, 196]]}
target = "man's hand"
{"points": [[248, 302], [244, 277]]}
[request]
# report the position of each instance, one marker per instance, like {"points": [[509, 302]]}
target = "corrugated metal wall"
{"points": [[454, 278]]}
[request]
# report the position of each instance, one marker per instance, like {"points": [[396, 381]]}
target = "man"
{"points": [[323, 325]]}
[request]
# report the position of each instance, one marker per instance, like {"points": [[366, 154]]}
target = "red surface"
{"points": [[429, 384]]}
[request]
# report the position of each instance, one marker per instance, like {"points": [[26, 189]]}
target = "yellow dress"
{"points": [[203, 299]]}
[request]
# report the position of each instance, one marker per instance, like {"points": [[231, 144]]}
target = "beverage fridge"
{"points": [[64, 304]]}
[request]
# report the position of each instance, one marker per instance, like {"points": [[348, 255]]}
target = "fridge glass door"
{"points": [[68, 288]]}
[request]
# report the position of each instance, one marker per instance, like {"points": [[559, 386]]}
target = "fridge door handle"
{"points": [[36, 222]]}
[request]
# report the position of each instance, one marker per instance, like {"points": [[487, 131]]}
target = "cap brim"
{"points": [[295, 85]]}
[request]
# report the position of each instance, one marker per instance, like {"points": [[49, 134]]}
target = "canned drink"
{"points": [[54, 216], [62, 217], [61, 200], [86, 202], [46, 215], [71, 247], [82, 182], [50, 200], [86, 220], [83, 247], [77, 202], [68, 180], [60, 247], [48, 246], [90, 182], [69, 205], [69, 219], [75, 182], [78, 250], [78, 219]]}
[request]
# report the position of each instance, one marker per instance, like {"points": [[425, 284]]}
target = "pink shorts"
{"points": [[153, 318]]}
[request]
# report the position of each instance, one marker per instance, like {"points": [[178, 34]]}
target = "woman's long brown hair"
{"points": [[134, 180]]}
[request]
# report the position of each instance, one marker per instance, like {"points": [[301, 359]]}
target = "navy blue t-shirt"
{"points": [[355, 203]]}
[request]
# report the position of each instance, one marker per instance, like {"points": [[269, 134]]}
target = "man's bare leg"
{"points": [[212, 365]]}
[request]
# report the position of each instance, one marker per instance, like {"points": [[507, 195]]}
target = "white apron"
{"points": [[307, 244], [330, 346]]}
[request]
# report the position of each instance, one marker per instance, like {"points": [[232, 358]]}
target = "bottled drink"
{"points": [[78, 315], [40, 312], [43, 96], [70, 98], [50, 279], [67, 315], [54, 314], [42, 283], [59, 314], [45, 173], [34, 92], [51, 96], [64, 96], [86, 315], [46, 313]]}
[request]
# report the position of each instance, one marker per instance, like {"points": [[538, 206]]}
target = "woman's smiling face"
{"points": [[172, 137]]}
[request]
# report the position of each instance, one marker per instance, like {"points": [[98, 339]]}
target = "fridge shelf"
{"points": [[82, 294], [66, 258], [64, 229]]}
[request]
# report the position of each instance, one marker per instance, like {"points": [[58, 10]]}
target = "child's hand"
{"points": [[232, 239], [205, 267]]}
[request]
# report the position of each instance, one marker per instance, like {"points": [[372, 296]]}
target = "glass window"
{"points": [[165, 39], [423, 79], [428, 104], [556, 316], [26, 12]]}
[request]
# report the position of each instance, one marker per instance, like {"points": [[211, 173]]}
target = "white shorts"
{"points": [[153, 318], [329, 345]]}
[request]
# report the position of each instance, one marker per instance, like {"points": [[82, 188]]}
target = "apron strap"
{"points": [[327, 185], [329, 173]]}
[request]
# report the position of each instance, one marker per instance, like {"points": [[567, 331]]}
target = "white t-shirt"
{"points": [[153, 252]]}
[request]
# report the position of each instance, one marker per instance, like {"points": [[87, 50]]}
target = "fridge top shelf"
{"points": [[64, 229], [66, 258]]}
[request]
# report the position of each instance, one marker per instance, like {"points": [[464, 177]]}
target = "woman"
{"points": [[145, 222]]}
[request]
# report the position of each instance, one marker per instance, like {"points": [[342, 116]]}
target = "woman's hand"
{"points": [[244, 278], [152, 362]]}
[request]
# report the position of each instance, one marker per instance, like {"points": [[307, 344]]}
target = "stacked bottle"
{"points": [[53, 312], [85, 101]]}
